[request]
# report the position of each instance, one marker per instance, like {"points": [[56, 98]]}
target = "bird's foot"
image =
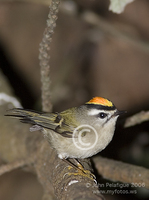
{"points": [[80, 170]]}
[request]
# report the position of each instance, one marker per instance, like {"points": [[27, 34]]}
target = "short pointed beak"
{"points": [[117, 112]]}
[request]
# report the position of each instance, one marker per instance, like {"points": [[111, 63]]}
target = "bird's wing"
{"points": [[53, 121]]}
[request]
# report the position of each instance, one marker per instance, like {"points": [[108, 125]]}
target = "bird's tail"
{"points": [[42, 119]]}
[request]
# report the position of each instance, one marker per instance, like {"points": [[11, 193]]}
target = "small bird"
{"points": [[78, 132]]}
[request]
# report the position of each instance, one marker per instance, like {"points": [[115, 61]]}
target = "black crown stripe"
{"points": [[100, 107]]}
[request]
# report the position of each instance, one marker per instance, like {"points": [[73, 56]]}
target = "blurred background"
{"points": [[109, 59]]}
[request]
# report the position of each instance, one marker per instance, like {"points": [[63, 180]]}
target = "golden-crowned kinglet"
{"points": [[78, 132]]}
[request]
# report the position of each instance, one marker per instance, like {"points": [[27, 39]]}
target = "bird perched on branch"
{"points": [[78, 132]]}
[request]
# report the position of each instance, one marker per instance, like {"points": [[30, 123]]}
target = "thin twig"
{"points": [[119, 171], [44, 56], [137, 119]]}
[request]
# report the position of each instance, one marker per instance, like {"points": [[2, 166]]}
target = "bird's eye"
{"points": [[102, 115]]}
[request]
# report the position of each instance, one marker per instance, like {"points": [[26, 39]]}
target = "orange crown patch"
{"points": [[100, 101]]}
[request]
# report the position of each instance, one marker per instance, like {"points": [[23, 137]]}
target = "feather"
{"points": [[53, 121]]}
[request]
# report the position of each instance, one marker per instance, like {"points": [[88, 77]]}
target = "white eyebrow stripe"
{"points": [[93, 112]]}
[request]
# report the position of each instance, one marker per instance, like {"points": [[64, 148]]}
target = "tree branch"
{"points": [[14, 165], [66, 184], [137, 119], [118, 171]]}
